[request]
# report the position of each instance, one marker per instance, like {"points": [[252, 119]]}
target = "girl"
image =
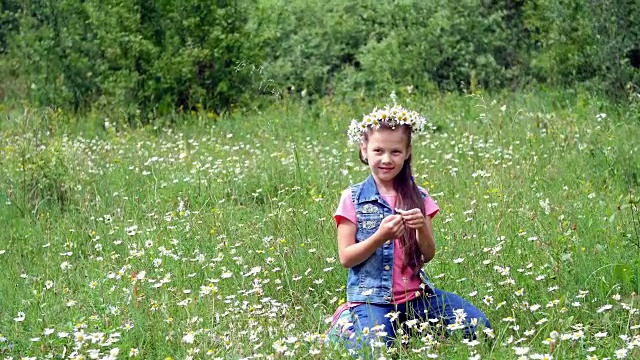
{"points": [[384, 239]]}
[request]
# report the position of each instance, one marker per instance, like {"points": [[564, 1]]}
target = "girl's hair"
{"points": [[409, 197]]}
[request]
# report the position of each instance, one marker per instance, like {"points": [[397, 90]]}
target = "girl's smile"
{"points": [[386, 151]]}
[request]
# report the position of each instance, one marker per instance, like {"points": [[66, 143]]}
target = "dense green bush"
{"points": [[140, 57], [137, 59], [372, 45], [585, 41], [8, 22]]}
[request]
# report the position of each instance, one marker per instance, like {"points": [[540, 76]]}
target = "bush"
{"points": [[140, 57], [375, 45], [585, 42]]}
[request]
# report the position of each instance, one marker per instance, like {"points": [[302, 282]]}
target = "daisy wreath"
{"points": [[392, 116]]}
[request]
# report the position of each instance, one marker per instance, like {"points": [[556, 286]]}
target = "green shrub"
{"points": [[375, 45], [577, 42], [140, 58], [136, 60]]}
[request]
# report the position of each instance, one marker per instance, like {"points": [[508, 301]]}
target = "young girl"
{"points": [[385, 237]]}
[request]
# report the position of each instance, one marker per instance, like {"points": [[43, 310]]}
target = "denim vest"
{"points": [[371, 281]]}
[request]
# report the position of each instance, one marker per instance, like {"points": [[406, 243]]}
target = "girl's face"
{"points": [[385, 151]]}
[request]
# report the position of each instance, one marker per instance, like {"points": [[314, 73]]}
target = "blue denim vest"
{"points": [[371, 281]]}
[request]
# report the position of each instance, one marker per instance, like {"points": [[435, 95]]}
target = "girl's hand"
{"points": [[391, 227], [413, 218]]}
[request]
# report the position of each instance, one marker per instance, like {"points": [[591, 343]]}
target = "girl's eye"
{"points": [[376, 150]]}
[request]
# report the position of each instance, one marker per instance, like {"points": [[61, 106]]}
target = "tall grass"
{"points": [[216, 239]]}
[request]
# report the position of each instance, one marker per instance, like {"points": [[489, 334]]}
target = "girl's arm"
{"points": [[426, 240]]}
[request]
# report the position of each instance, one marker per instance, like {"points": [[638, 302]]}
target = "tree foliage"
{"points": [[143, 58]]}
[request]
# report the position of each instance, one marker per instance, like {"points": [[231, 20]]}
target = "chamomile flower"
{"points": [[20, 318], [393, 116]]}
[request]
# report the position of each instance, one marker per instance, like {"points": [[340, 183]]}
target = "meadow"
{"points": [[215, 238]]}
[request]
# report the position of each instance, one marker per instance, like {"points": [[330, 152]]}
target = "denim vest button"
{"points": [[387, 298], [386, 267], [387, 242]]}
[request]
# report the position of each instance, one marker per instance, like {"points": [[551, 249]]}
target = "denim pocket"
{"points": [[367, 225]]}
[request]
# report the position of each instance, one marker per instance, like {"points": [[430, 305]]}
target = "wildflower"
{"points": [[577, 335], [20, 318], [188, 337], [79, 336], [621, 353], [471, 343], [279, 347], [489, 332], [582, 294], [367, 292], [393, 315], [545, 206], [604, 308]]}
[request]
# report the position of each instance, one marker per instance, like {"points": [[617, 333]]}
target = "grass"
{"points": [[215, 239]]}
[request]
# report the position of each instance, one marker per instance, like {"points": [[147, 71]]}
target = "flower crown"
{"points": [[392, 116]]}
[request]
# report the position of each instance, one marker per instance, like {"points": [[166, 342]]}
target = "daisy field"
{"points": [[216, 240]]}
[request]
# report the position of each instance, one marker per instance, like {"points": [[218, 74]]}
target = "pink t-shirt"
{"points": [[405, 284]]}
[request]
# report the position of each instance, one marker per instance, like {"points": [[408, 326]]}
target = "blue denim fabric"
{"points": [[371, 281], [440, 306]]}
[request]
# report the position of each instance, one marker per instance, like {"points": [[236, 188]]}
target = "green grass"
{"points": [[228, 227]]}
